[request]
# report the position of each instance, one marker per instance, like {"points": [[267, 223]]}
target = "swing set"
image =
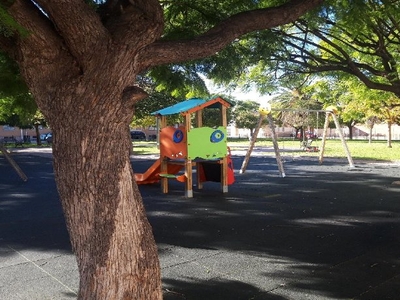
{"points": [[265, 112], [308, 136]]}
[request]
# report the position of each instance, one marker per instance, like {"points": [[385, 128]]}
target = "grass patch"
{"points": [[145, 148], [359, 149]]}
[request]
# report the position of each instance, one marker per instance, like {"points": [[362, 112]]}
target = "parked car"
{"points": [[152, 137], [48, 137], [138, 135]]}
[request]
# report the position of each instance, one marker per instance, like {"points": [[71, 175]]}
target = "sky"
{"points": [[238, 94]]}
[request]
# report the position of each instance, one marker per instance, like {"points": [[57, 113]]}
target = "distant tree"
{"points": [[296, 108], [17, 106], [37, 121], [336, 41], [155, 101], [387, 108], [245, 114], [339, 91]]}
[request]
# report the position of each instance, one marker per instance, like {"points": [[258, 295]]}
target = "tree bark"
{"points": [[370, 135], [38, 140], [389, 137], [110, 234], [350, 126]]}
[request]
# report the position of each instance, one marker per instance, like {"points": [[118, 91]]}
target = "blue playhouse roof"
{"points": [[187, 105], [180, 107]]}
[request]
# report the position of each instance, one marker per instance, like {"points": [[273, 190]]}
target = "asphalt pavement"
{"points": [[323, 232]]}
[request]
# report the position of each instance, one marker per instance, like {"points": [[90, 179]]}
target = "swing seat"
{"points": [[312, 149], [306, 145]]}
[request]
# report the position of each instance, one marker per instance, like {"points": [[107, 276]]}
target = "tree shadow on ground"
{"points": [[31, 211], [324, 230], [215, 289]]}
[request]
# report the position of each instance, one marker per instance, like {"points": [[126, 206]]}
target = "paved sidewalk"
{"points": [[323, 232]]}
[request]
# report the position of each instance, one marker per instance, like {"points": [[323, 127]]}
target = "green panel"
{"points": [[207, 143]]}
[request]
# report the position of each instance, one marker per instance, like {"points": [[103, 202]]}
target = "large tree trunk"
{"points": [[110, 234]]}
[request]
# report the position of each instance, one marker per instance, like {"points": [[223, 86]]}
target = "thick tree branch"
{"points": [[164, 52], [40, 49], [86, 36], [129, 20]]}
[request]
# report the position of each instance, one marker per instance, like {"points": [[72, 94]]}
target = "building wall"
{"points": [[379, 132], [8, 131]]}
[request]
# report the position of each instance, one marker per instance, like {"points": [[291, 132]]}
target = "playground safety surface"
{"points": [[322, 232]]}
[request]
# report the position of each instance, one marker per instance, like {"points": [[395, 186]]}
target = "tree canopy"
{"points": [[358, 38], [17, 106]]}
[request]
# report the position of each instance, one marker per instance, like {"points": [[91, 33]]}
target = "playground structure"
{"points": [[191, 145], [266, 112]]}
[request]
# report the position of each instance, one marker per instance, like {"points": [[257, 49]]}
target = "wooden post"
{"points": [[188, 123], [163, 122], [224, 175], [13, 163], [324, 134], [188, 161], [189, 179], [163, 160], [344, 144], [276, 147], [224, 165], [164, 170], [252, 142], [199, 118], [224, 119]]}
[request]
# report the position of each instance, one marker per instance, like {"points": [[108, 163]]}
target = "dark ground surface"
{"points": [[323, 232]]}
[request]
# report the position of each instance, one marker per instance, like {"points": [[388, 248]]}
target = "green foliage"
{"points": [[8, 25], [294, 109], [190, 18], [17, 107], [245, 114], [212, 116], [332, 41], [178, 81], [154, 102], [11, 82]]}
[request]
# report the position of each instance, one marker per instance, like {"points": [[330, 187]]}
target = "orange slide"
{"points": [[152, 174]]}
